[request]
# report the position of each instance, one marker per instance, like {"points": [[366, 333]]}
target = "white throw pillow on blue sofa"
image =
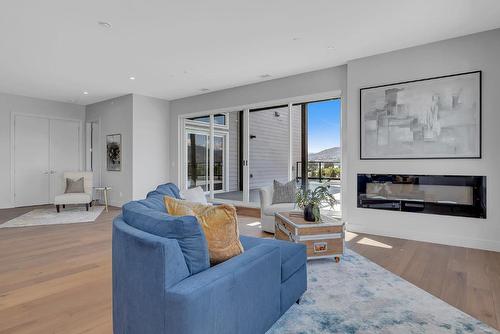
{"points": [[196, 195]]}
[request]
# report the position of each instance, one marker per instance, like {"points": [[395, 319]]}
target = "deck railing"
{"points": [[200, 170], [320, 170]]}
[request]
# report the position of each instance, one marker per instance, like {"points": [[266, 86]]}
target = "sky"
{"points": [[323, 125]]}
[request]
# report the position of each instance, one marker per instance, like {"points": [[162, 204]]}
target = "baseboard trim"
{"points": [[483, 244]]}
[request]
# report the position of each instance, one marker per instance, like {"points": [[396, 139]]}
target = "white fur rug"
{"points": [[49, 216]]}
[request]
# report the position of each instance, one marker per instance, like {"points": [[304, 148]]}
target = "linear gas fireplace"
{"points": [[452, 195]]}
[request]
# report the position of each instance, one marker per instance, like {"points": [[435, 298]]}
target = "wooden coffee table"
{"points": [[323, 240]]}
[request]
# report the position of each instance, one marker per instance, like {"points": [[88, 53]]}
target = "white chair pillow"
{"points": [[196, 195]]}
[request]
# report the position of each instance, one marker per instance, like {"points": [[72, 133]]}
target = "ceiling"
{"points": [[55, 49]]}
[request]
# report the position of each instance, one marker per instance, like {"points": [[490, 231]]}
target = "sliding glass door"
{"points": [[320, 162], [198, 160], [232, 155], [219, 150], [230, 152]]}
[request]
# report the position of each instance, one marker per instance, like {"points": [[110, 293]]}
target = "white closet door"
{"points": [[31, 160], [64, 154]]}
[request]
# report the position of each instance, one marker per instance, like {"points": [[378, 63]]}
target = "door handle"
{"points": [[46, 173]]}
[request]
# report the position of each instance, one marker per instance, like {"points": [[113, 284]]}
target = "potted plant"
{"points": [[310, 200]]}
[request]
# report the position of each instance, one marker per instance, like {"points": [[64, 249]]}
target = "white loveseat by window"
{"points": [[267, 209]]}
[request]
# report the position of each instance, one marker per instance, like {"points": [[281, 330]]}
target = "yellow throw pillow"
{"points": [[219, 222], [177, 207]]}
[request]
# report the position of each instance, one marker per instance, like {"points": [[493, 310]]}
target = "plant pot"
{"points": [[309, 213]]}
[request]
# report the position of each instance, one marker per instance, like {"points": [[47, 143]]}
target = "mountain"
{"points": [[330, 154]]}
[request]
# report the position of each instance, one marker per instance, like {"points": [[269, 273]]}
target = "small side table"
{"points": [[104, 190]]}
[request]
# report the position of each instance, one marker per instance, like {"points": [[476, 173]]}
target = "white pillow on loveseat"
{"points": [[196, 195]]}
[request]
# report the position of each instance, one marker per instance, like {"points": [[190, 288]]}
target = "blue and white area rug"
{"points": [[358, 296]]}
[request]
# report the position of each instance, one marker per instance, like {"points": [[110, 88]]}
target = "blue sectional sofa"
{"points": [[163, 281]]}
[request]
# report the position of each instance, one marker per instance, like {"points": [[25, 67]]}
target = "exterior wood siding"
{"points": [[268, 156], [269, 149]]}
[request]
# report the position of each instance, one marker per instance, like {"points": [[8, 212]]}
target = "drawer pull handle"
{"points": [[283, 229], [320, 247]]}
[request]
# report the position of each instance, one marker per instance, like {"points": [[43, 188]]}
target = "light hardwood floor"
{"points": [[57, 279], [468, 279]]}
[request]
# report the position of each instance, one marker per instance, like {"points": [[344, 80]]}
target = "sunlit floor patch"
{"points": [[374, 243]]}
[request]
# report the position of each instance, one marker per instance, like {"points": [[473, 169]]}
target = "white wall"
{"points": [[20, 104], [327, 80], [143, 123], [150, 144], [475, 52], [115, 117]]}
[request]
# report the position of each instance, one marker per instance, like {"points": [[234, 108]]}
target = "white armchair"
{"points": [[76, 198], [267, 209]]}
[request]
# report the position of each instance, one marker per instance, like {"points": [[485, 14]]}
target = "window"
{"points": [[198, 163], [219, 119]]}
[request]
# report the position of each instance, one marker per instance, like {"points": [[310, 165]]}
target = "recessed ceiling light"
{"points": [[105, 24], [85, 93], [132, 78], [204, 90], [263, 76]]}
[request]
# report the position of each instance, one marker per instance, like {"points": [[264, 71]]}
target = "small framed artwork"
{"points": [[434, 118], [114, 152]]}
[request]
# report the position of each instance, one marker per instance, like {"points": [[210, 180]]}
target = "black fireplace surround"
{"points": [[453, 195]]}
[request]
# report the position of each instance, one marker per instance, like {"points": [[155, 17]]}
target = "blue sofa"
{"points": [[163, 281]]}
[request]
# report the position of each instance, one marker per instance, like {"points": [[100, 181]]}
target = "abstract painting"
{"points": [[435, 118], [114, 152]]}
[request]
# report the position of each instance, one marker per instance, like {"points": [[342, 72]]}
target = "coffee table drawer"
{"points": [[314, 230], [324, 247]]}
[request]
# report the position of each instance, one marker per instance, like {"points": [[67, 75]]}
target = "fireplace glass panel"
{"points": [[423, 193], [437, 194]]}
